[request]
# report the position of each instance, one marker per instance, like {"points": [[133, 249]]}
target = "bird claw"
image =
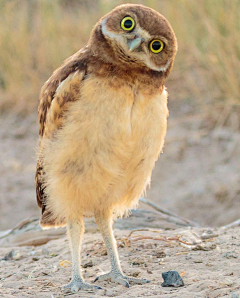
{"points": [[121, 279], [76, 285]]}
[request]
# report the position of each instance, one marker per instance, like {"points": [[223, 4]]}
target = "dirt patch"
{"points": [[197, 175], [212, 271]]}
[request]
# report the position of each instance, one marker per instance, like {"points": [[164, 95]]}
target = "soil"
{"points": [[210, 269], [197, 177]]}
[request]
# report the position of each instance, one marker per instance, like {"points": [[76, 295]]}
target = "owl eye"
{"points": [[127, 23], [156, 46]]}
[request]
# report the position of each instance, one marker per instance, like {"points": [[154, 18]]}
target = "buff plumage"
{"points": [[102, 124]]}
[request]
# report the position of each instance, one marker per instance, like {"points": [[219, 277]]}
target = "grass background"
{"points": [[36, 36]]}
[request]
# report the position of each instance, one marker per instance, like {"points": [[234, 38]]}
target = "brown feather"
{"points": [[102, 63], [77, 62], [52, 108], [102, 123]]}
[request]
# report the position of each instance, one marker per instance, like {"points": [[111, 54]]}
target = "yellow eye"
{"points": [[156, 46], [127, 23]]}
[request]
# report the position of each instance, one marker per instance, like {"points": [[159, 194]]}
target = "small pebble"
{"points": [[148, 246], [88, 264], [172, 279], [233, 295], [138, 262], [135, 274], [45, 251], [230, 255], [160, 254], [12, 255], [198, 261], [149, 271]]}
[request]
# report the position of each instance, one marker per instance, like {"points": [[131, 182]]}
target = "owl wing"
{"points": [[59, 90], [56, 95]]}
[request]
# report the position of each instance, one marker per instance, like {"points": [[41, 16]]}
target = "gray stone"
{"points": [[172, 279]]}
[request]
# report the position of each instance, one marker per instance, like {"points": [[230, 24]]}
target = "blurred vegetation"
{"points": [[37, 35]]}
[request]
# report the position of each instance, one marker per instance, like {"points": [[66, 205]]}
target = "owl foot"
{"points": [[121, 279], [76, 285]]}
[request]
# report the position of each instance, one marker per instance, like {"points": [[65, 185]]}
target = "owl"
{"points": [[102, 124]]}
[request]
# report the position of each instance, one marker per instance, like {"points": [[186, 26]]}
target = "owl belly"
{"points": [[103, 156], [148, 130]]}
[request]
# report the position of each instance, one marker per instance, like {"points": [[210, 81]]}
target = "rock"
{"points": [[88, 264], [135, 273], [230, 255], [12, 255], [160, 254], [149, 271], [172, 279], [233, 295], [209, 234], [139, 261], [198, 261], [45, 251]]}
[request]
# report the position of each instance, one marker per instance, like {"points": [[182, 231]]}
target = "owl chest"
{"points": [[113, 131]]}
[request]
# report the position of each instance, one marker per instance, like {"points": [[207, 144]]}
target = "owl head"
{"points": [[136, 36]]}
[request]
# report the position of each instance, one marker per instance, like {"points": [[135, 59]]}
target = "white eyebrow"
{"points": [[110, 34]]}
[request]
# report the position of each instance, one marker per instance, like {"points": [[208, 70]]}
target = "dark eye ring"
{"points": [[127, 23]]}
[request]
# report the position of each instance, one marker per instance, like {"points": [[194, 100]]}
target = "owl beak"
{"points": [[135, 43]]}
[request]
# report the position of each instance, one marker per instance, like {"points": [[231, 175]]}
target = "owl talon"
{"points": [[76, 285]]}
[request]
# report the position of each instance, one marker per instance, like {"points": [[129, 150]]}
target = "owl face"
{"points": [[138, 36]]}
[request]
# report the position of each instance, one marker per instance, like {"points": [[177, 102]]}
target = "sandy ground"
{"points": [[197, 175], [213, 272]]}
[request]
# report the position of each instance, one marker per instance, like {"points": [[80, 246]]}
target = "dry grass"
{"points": [[36, 36]]}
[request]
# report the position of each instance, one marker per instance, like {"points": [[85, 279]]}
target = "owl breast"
{"points": [[104, 154]]}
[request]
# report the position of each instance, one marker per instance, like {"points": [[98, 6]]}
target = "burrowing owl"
{"points": [[103, 119]]}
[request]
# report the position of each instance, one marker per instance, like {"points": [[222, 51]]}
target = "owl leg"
{"points": [[75, 232], [104, 222]]}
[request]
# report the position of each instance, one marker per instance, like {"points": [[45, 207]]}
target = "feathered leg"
{"points": [[104, 222], [75, 232]]}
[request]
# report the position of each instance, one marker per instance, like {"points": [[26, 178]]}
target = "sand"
{"points": [[196, 177], [210, 269]]}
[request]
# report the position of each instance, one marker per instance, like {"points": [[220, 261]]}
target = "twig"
{"points": [[19, 226], [143, 230], [234, 224], [173, 217], [161, 238]]}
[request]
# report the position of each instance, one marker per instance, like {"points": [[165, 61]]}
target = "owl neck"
{"points": [[136, 78]]}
